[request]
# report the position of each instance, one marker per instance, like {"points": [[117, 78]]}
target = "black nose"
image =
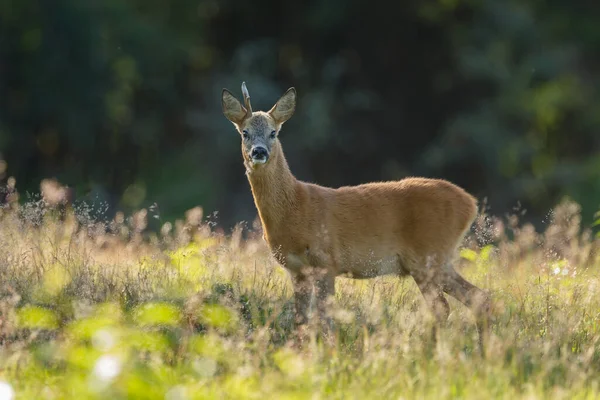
{"points": [[259, 153]]}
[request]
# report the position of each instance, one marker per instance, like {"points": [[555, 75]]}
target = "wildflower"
{"points": [[107, 368], [6, 391]]}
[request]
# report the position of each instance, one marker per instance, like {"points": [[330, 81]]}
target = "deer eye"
{"points": [[245, 134], [273, 134]]}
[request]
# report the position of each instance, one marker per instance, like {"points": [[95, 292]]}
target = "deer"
{"points": [[410, 227]]}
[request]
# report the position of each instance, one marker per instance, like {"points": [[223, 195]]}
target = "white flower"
{"points": [[6, 391], [107, 368]]}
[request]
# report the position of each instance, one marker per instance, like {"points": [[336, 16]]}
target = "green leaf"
{"points": [[157, 314], [33, 317], [84, 329], [149, 341], [218, 317]]}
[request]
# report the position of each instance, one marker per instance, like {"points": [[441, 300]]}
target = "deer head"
{"points": [[259, 130]]}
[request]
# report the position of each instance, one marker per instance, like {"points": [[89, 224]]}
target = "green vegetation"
{"points": [[112, 311]]}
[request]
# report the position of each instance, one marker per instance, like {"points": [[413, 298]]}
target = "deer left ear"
{"points": [[285, 107], [232, 108]]}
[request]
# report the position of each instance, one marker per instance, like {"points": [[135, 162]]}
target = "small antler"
{"points": [[246, 100]]}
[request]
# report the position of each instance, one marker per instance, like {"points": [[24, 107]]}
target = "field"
{"points": [[91, 310]]}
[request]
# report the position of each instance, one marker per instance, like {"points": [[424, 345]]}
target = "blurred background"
{"points": [[120, 99]]}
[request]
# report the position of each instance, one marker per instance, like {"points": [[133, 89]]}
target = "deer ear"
{"points": [[232, 108], [285, 106]]}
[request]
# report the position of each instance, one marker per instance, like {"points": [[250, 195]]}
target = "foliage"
{"points": [[193, 314]]}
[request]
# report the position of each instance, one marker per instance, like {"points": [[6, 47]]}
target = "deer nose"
{"points": [[259, 153]]}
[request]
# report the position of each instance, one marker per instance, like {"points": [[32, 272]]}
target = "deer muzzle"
{"points": [[259, 155]]}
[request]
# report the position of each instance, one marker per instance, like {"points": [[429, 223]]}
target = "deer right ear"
{"points": [[285, 106], [232, 108]]}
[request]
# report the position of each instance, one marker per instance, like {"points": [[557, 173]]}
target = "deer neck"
{"points": [[274, 188]]}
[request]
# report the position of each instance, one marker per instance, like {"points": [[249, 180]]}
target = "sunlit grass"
{"points": [[113, 311]]}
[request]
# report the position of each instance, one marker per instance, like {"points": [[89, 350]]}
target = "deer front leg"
{"points": [[325, 292], [302, 293]]}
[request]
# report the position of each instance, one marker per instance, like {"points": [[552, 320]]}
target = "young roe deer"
{"points": [[408, 227]]}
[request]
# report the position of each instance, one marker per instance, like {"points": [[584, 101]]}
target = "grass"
{"points": [[90, 310]]}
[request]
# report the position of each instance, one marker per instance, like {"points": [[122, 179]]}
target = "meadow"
{"points": [[92, 310]]}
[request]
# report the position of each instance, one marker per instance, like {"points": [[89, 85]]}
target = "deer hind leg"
{"points": [[470, 295], [464, 291], [434, 297]]}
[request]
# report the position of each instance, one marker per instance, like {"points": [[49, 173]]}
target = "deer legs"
{"points": [[446, 280], [437, 303], [302, 295], [324, 292], [465, 292], [471, 296], [322, 284], [435, 299]]}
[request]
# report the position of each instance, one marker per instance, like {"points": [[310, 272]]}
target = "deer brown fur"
{"points": [[407, 227]]}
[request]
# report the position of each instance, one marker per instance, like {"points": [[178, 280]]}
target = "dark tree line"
{"points": [[120, 99]]}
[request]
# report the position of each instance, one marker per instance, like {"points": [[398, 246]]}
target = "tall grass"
{"points": [[92, 310]]}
